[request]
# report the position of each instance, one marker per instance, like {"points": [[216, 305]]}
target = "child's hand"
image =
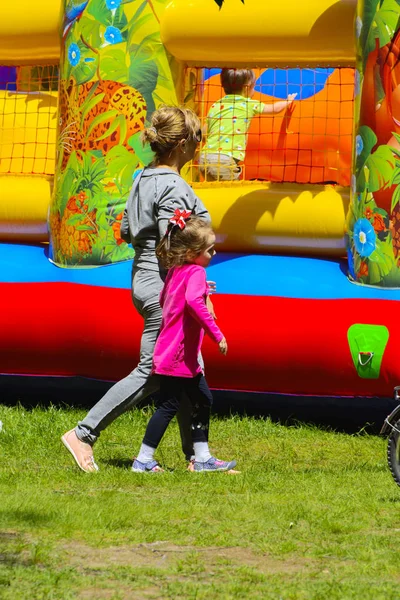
{"points": [[223, 347], [212, 287], [291, 97], [210, 307]]}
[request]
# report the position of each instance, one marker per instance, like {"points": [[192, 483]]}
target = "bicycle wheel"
{"points": [[393, 452]]}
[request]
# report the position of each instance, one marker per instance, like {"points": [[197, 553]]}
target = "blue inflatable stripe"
{"points": [[254, 275]]}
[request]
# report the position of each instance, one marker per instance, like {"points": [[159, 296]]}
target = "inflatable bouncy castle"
{"points": [[308, 265]]}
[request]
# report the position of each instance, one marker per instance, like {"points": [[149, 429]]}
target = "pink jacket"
{"points": [[185, 318]]}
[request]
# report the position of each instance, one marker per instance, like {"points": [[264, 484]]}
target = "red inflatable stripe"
{"points": [[275, 344]]}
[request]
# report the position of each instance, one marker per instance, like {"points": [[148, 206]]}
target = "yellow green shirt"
{"points": [[228, 122]]}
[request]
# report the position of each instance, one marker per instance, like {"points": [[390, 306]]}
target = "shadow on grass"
{"points": [[25, 517], [120, 463], [390, 500], [347, 414]]}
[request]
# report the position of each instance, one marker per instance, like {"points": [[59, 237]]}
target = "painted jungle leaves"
{"points": [[381, 18], [116, 71]]}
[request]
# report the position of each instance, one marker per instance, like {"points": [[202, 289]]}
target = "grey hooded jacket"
{"points": [[155, 195]]}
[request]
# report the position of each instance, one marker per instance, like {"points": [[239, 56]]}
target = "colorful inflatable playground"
{"points": [[308, 264]]}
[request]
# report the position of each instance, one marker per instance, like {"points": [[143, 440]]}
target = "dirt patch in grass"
{"points": [[166, 555]]}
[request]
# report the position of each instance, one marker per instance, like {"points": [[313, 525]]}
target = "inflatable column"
{"points": [[373, 223], [113, 72]]}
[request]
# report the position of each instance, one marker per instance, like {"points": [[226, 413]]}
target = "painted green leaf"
{"points": [[380, 262], [91, 103], [98, 9], [380, 165], [90, 29], [120, 21], [139, 23], [143, 75], [75, 218], [121, 165], [374, 273], [387, 19], [113, 126], [109, 114], [379, 90], [67, 188], [369, 140], [379, 22], [149, 46], [134, 20], [144, 153], [361, 181], [113, 64], [84, 227], [396, 177]]}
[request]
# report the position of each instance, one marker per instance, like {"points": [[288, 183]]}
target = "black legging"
{"points": [[173, 391]]}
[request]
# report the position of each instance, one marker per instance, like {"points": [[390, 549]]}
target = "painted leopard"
{"points": [[81, 105]]}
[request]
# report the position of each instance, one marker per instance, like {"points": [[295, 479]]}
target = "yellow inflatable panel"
{"points": [[24, 203], [260, 32], [29, 32], [262, 217], [28, 124]]}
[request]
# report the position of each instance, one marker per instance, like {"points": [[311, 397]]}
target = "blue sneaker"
{"points": [[149, 467], [213, 464]]}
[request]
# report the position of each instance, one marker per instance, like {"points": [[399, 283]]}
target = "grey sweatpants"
{"points": [[127, 393]]}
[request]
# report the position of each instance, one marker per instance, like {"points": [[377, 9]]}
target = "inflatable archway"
{"points": [[77, 87]]}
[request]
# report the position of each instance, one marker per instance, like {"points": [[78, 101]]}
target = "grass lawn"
{"points": [[314, 514]]}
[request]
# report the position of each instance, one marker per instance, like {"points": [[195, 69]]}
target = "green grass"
{"points": [[313, 515]]}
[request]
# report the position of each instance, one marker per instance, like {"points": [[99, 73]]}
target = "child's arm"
{"points": [[277, 107], [195, 291]]}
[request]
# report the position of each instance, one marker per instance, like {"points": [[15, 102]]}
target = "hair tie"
{"points": [[153, 129], [179, 219]]}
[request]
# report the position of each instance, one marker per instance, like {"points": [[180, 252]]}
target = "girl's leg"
{"points": [[170, 398], [201, 400], [171, 390]]}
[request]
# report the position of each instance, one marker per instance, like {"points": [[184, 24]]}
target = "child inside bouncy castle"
{"points": [[228, 122]]}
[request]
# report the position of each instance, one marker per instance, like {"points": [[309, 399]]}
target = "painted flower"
{"points": [[112, 35], [363, 272], [113, 4], [368, 212], [82, 196], [359, 145], [350, 260], [359, 25], [74, 54], [364, 237], [379, 223]]}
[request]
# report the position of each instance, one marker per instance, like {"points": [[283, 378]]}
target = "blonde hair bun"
{"points": [[149, 135], [169, 126]]}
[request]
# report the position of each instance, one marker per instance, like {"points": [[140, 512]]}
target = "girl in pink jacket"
{"points": [[186, 249]]}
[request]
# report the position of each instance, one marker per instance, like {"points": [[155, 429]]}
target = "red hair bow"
{"points": [[180, 217]]}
